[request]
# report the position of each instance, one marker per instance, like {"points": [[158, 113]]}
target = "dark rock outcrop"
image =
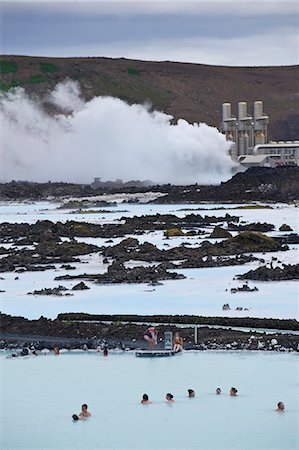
{"points": [[80, 287], [244, 288], [117, 273], [285, 227], [287, 272], [250, 241], [257, 226], [219, 232], [58, 291], [248, 322], [256, 184]]}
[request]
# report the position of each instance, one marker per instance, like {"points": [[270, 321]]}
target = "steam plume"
{"points": [[106, 138]]}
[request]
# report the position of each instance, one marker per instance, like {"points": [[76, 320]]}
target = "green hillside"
{"points": [[194, 92]]}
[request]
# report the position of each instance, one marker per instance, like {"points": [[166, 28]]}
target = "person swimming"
{"points": [[218, 391], [280, 407], [233, 392], [191, 393], [84, 413], [169, 397], [105, 351], [145, 400]]}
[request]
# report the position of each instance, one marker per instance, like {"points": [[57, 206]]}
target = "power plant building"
{"points": [[249, 137]]}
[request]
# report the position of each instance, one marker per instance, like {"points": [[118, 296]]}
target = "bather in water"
{"points": [[233, 392], [280, 407], [84, 414], [169, 398], [145, 400]]}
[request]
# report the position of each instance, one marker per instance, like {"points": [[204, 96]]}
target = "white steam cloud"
{"points": [[106, 138]]}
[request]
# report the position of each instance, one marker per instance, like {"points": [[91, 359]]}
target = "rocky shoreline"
{"points": [[18, 332], [287, 272], [256, 184]]}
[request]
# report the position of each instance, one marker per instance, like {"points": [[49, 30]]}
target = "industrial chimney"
{"points": [[260, 124]]}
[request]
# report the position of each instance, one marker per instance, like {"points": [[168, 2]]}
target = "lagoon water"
{"points": [[40, 394], [203, 292]]}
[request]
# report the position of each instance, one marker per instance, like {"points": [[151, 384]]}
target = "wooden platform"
{"points": [[154, 353]]}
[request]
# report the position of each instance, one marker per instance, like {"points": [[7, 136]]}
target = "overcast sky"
{"points": [[240, 32]]}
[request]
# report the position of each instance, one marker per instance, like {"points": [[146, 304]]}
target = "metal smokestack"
{"points": [[226, 111], [260, 123], [229, 127], [245, 129], [242, 110], [257, 109]]}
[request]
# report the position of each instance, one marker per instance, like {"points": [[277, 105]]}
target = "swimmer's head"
{"points": [[145, 397], [280, 406], [191, 393], [233, 391], [169, 397], [218, 391], [84, 407]]}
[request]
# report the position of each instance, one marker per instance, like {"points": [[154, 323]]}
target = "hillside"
{"points": [[194, 92]]}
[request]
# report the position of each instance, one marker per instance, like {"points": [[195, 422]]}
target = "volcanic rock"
{"points": [[288, 272], [219, 232], [117, 273], [244, 288], [50, 291], [285, 227], [172, 232], [80, 287], [250, 241], [255, 226]]}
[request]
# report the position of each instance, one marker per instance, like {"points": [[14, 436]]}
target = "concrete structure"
{"points": [[260, 124], [283, 153], [256, 161], [245, 131], [249, 136]]}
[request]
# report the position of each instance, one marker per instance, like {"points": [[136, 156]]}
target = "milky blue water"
{"points": [[40, 394], [203, 292]]}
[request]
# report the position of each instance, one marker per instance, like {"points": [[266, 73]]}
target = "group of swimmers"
{"points": [[84, 414], [191, 394]]}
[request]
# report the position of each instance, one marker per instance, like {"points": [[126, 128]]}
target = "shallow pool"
{"points": [[40, 394]]}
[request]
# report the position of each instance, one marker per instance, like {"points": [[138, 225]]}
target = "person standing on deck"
{"points": [[151, 337]]}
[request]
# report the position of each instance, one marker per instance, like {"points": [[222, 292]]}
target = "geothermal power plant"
{"points": [[249, 136]]}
